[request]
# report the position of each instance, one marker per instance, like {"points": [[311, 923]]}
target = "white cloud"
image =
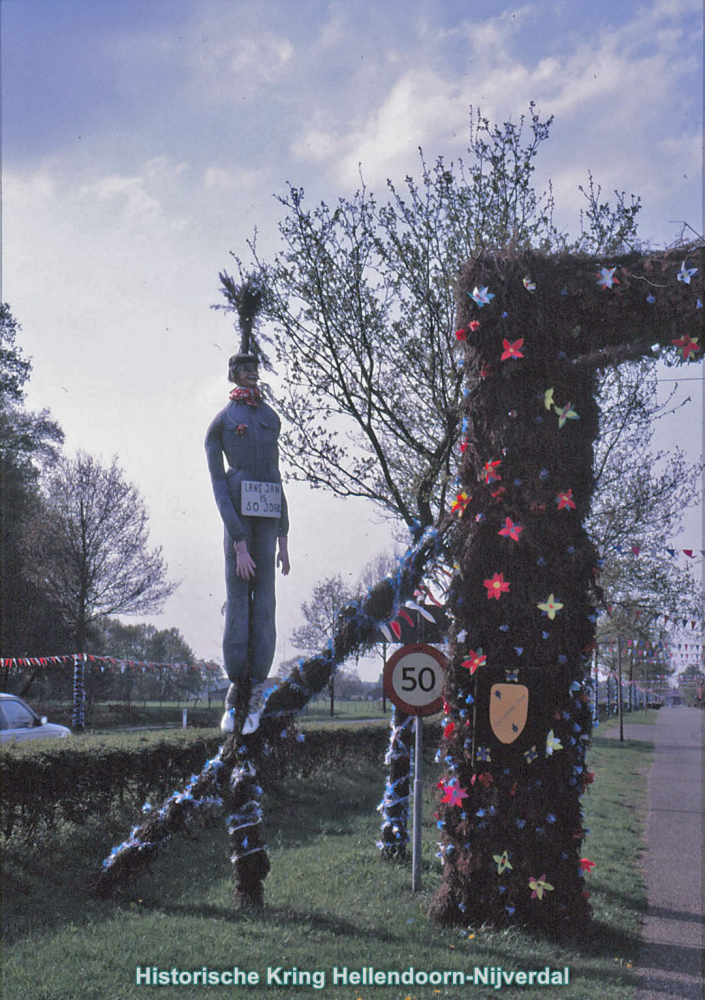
{"points": [[231, 179]]}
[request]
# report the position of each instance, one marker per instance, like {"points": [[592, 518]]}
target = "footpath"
{"points": [[672, 954]]}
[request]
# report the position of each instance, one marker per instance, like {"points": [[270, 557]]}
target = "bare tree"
{"points": [[89, 547], [638, 509], [361, 299], [329, 596]]}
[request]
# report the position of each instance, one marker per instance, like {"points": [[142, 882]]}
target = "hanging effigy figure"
{"points": [[250, 497]]}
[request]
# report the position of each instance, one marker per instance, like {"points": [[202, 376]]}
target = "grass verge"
{"points": [[330, 902]]}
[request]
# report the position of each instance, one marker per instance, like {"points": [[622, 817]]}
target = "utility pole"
{"points": [[619, 691]]}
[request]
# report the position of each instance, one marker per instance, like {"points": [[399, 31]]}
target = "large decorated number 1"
{"points": [[536, 331]]}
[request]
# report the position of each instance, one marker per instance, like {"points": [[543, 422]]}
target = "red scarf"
{"points": [[241, 394]]}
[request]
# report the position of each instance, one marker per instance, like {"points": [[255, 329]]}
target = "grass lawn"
{"points": [[106, 717], [330, 901]]}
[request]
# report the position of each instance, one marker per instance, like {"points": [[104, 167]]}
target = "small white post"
{"points": [[418, 794], [183, 724]]}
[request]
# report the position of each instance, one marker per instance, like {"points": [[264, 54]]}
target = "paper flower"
{"points": [[483, 753], [686, 273], [449, 730], [502, 861], [548, 398], [496, 586], [511, 675], [453, 794], [485, 779], [550, 606], [686, 346], [489, 472], [586, 865], [461, 502], [481, 296], [552, 743], [476, 659], [460, 335], [512, 349], [538, 886], [529, 285], [606, 278], [530, 755], [565, 413], [474, 326], [565, 501], [510, 530]]}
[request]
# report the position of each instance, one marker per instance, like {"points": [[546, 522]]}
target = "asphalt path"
{"points": [[671, 958]]}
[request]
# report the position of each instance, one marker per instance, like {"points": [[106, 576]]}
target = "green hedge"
{"points": [[84, 777]]}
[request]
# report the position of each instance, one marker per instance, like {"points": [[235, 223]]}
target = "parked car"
{"points": [[19, 722]]}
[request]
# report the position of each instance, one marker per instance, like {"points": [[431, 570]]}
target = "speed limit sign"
{"points": [[413, 679]]}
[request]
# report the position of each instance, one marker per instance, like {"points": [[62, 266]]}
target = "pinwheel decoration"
{"points": [[550, 606], [481, 296], [476, 659], [565, 413], [502, 861], [606, 278], [686, 273], [538, 886]]}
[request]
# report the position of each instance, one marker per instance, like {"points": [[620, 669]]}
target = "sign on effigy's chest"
{"points": [[260, 499]]}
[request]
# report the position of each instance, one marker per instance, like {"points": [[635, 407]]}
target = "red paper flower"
{"points": [[512, 349], [474, 326], [586, 865], [489, 471], [511, 530], [496, 586], [686, 346], [453, 793], [461, 502], [475, 660], [565, 501], [449, 730], [460, 335]]}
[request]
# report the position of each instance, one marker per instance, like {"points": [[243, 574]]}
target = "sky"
{"points": [[144, 141]]}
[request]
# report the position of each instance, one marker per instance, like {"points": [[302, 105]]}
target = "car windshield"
{"points": [[14, 715]]}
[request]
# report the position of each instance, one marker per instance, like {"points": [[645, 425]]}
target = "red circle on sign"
{"points": [[408, 670]]}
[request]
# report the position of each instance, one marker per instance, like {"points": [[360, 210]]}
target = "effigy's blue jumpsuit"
{"points": [[247, 438]]}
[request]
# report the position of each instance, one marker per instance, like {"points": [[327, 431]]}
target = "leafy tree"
{"points": [[90, 546], [14, 367], [29, 443]]}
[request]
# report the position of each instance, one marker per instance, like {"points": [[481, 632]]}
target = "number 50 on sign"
{"points": [[413, 679]]}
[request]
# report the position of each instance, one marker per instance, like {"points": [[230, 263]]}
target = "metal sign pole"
{"points": [[418, 793]]}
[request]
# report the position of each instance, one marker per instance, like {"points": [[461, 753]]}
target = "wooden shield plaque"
{"points": [[509, 707]]}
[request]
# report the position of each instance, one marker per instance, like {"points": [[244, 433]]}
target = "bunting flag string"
{"points": [[636, 549], [111, 662]]}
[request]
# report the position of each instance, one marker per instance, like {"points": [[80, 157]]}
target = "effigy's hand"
{"points": [[245, 563], [283, 555]]}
